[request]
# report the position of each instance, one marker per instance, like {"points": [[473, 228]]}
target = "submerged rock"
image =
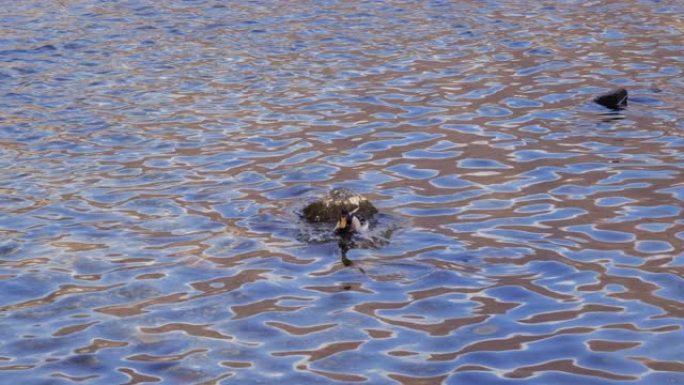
{"points": [[327, 209], [615, 99]]}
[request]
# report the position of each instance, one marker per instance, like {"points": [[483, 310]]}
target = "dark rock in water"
{"points": [[615, 99], [327, 209]]}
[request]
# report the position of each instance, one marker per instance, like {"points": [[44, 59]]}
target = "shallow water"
{"points": [[154, 156]]}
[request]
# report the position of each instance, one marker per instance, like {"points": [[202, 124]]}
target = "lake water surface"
{"points": [[154, 156]]}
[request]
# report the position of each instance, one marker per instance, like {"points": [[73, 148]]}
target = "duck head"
{"points": [[344, 222]]}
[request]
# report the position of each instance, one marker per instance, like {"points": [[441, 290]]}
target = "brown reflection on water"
{"points": [[515, 342], [410, 380], [267, 305], [190, 329], [64, 290], [171, 357], [65, 331], [566, 366], [138, 378], [298, 330], [610, 346], [99, 344]]}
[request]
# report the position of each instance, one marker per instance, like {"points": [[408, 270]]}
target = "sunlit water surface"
{"points": [[154, 156]]}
